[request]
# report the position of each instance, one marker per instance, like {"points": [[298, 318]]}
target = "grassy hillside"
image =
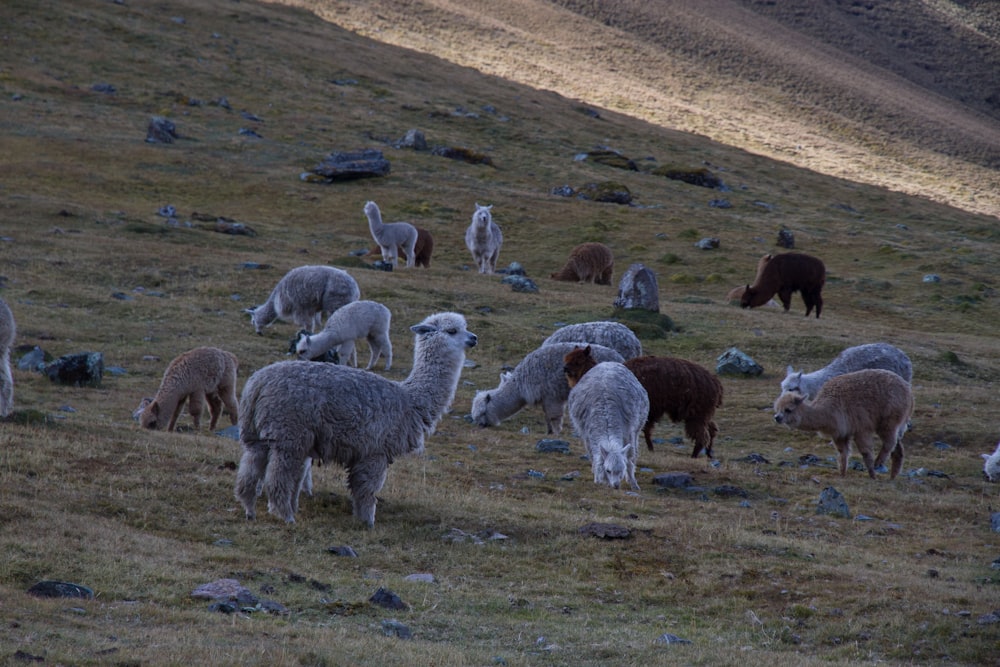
{"points": [[143, 518]]}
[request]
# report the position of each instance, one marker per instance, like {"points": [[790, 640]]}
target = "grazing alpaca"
{"points": [[615, 335], [784, 274], [607, 407], [680, 389], [855, 405], [859, 357], [304, 295], [8, 332], [359, 319], [295, 410], [735, 295], [483, 238], [588, 263], [538, 379], [392, 236], [423, 249], [991, 466], [196, 376]]}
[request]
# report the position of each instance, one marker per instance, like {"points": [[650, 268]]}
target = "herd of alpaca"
{"points": [[293, 413]]}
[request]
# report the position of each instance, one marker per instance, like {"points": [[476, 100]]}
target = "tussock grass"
{"points": [[143, 518]]}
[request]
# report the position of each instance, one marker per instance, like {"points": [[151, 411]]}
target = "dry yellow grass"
{"points": [[143, 517]]}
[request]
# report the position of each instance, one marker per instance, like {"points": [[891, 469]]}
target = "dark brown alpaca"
{"points": [[680, 389], [421, 251], [588, 263], [784, 274]]}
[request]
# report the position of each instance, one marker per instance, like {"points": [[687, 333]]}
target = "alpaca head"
{"points": [[614, 465], [792, 381], [576, 363], [302, 341], [483, 413], [786, 409], [482, 216], [747, 297]]}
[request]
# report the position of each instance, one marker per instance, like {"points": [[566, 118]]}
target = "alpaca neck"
{"points": [[432, 382], [374, 221]]}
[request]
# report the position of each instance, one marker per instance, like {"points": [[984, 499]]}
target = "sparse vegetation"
{"points": [[744, 568]]}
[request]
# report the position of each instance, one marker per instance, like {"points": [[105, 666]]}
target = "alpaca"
{"points": [[784, 274], [607, 406], [615, 335], [196, 376], [293, 410], [392, 236], [680, 389], [870, 355], [735, 295], [8, 332], [538, 379], [588, 263], [991, 467], [483, 238], [304, 295], [358, 319], [855, 405], [423, 249]]}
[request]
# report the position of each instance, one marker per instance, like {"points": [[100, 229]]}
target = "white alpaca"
{"points": [[304, 295], [483, 238], [391, 236], [991, 468], [359, 319], [615, 335], [295, 410], [8, 332]]}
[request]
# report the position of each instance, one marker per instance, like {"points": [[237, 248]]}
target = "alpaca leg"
{"points": [[411, 255], [228, 396], [843, 446], [553, 416], [698, 431], [251, 472], [365, 480], [373, 352], [6, 385], [196, 405], [864, 444], [283, 478], [606, 277], [785, 295], [214, 409], [385, 348], [630, 466], [348, 353], [647, 432], [897, 460], [818, 301], [306, 486], [176, 413]]}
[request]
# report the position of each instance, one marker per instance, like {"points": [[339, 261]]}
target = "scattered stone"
{"points": [[667, 638], [385, 598], [345, 551], [638, 289], [570, 476], [60, 589], [420, 577], [223, 606], [609, 158], [608, 192], [563, 191], [272, 607], [167, 211], [24, 656], [550, 446], [735, 362], [673, 480], [752, 458], [78, 370], [537, 474], [995, 522], [710, 243], [730, 491], [463, 155], [513, 269], [249, 132], [932, 278], [106, 88], [606, 531], [832, 502], [785, 238], [161, 131], [223, 226], [990, 618], [413, 139], [520, 283], [225, 589], [393, 628], [720, 203], [700, 177], [349, 166]]}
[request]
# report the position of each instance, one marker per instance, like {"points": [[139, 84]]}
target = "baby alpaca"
{"points": [[423, 249], [588, 263], [8, 332], [855, 405], [391, 236], [196, 376], [483, 238], [991, 468], [358, 319], [291, 411], [607, 407]]}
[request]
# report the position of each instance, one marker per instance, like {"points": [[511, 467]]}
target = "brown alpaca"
{"points": [[736, 294], [421, 251], [194, 377], [680, 389], [784, 274], [588, 263]]}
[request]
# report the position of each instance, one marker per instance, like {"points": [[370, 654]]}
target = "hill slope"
{"points": [[900, 94]]}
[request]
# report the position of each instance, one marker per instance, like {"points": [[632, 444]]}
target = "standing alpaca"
{"points": [[304, 295], [358, 319], [784, 274], [8, 332], [588, 263], [391, 236], [991, 466], [855, 405], [859, 357], [423, 249], [483, 238], [196, 376], [293, 410], [607, 406]]}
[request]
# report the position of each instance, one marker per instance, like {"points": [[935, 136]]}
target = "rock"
{"points": [[32, 361], [606, 531], [341, 166], [638, 289], [667, 638], [344, 551], [752, 458], [995, 522], [673, 480], [223, 226], [60, 589], [832, 502], [413, 139], [720, 203], [608, 158], [231, 432], [563, 191], [608, 192], [421, 577], [710, 243], [513, 269], [82, 369], [393, 628], [735, 362], [786, 239], [549, 446], [383, 597], [730, 491], [463, 154], [160, 131], [224, 589], [700, 177], [932, 278], [520, 283]]}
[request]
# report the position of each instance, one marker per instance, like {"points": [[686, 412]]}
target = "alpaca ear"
{"points": [[986, 456], [249, 311], [789, 370], [422, 329]]}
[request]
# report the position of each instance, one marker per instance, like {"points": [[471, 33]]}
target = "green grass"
{"points": [[145, 517]]}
